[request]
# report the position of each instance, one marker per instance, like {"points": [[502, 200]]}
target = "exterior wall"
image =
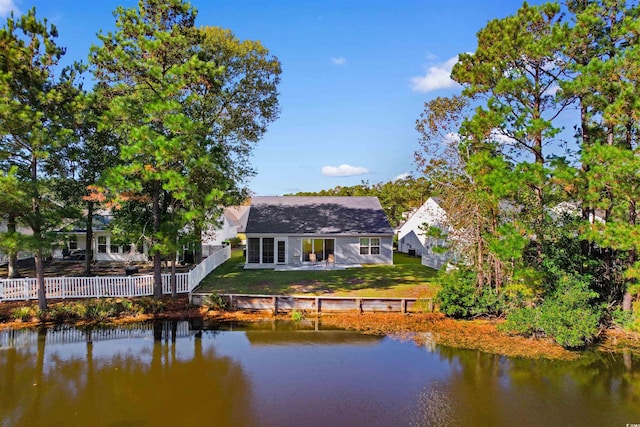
{"points": [[346, 250], [4, 258], [124, 254], [429, 214], [411, 243], [216, 236]]}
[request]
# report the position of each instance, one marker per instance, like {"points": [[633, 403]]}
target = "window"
{"points": [[375, 245], [114, 249], [102, 244], [369, 246], [364, 246], [73, 243], [253, 250], [268, 250]]}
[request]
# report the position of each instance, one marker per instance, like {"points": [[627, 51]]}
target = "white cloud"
{"points": [[340, 60], [451, 138], [402, 176], [499, 137], [437, 77], [6, 6], [344, 170]]}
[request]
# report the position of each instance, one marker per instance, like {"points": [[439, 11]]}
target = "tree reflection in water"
{"points": [[271, 374], [152, 383]]}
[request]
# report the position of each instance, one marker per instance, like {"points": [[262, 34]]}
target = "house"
{"points": [[232, 222], [104, 247], [4, 257], [292, 230], [414, 239]]}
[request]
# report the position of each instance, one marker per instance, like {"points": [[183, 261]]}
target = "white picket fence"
{"points": [[108, 286]]}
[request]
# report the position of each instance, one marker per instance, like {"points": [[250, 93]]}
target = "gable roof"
{"points": [[237, 216], [317, 215]]}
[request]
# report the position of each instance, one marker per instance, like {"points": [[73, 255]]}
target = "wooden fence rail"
{"points": [[318, 304], [109, 286]]}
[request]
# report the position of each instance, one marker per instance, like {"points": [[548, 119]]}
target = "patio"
{"points": [[320, 266]]}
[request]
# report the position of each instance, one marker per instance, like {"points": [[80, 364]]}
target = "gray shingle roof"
{"points": [[317, 215]]}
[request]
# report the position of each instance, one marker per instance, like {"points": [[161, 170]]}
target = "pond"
{"points": [[285, 374]]}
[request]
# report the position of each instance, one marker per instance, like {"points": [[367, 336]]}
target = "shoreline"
{"points": [[425, 329]]}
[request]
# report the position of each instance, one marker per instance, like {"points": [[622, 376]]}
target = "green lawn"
{"points": [[406, 278]]}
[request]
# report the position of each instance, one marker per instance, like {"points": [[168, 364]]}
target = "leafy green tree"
{"points": [[14, 201], [37, 118], [233, 115], [87, 160], [517, 68], [187, 104]]}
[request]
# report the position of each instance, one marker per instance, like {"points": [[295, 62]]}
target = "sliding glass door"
{"points": [[322, 248]]}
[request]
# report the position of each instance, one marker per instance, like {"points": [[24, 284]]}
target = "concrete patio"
{"points": [[320, 266]]}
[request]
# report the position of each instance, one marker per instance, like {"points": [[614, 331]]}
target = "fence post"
{"points": [[27, 295]]}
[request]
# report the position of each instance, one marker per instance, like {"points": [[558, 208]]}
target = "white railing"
{"points": [[109, 286], [209, 264]]}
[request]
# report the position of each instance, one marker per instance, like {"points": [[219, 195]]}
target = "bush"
{"points": [[148, 305], [23, 314], [296, 315], [215, 302], [523, 321], [67, 312], [567, 315], [458, 296]]}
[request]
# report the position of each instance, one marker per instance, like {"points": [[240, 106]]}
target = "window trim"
{"points": [[102, 244], [370, 245]]}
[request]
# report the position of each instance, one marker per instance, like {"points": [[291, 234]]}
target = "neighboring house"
{"points": [[413, 238], [303, 230], [232, 221], [4, 258], [237, 216], [103, 246]]}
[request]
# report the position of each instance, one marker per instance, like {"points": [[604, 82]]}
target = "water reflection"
{"points": [[275, 373]]}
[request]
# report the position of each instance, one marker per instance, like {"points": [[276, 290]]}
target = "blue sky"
{"points": [[356, 74]]}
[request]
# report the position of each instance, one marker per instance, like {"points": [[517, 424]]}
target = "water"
{"points": [[177, 374]]}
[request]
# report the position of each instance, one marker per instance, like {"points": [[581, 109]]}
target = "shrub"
{"points": [[567, 315], [456, 297], [150, 305], [296, 315], [423, 305], [215, 302], [524, 321], [23, 314], [67, 312]]}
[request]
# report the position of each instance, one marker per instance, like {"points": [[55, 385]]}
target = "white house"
{"points": [[295, 231], [232, 221], [413, 238], [4, 258]]}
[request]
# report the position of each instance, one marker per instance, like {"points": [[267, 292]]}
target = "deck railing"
{"points": [[109, 286]]}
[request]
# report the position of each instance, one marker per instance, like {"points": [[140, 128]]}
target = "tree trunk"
{"points": [[89, 240], [174, 285], [157, 256], [197, 251], [12, 267], [42, 297], [626, 301]]}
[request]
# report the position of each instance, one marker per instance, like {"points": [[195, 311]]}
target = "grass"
{"points": [[406, 278]]}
